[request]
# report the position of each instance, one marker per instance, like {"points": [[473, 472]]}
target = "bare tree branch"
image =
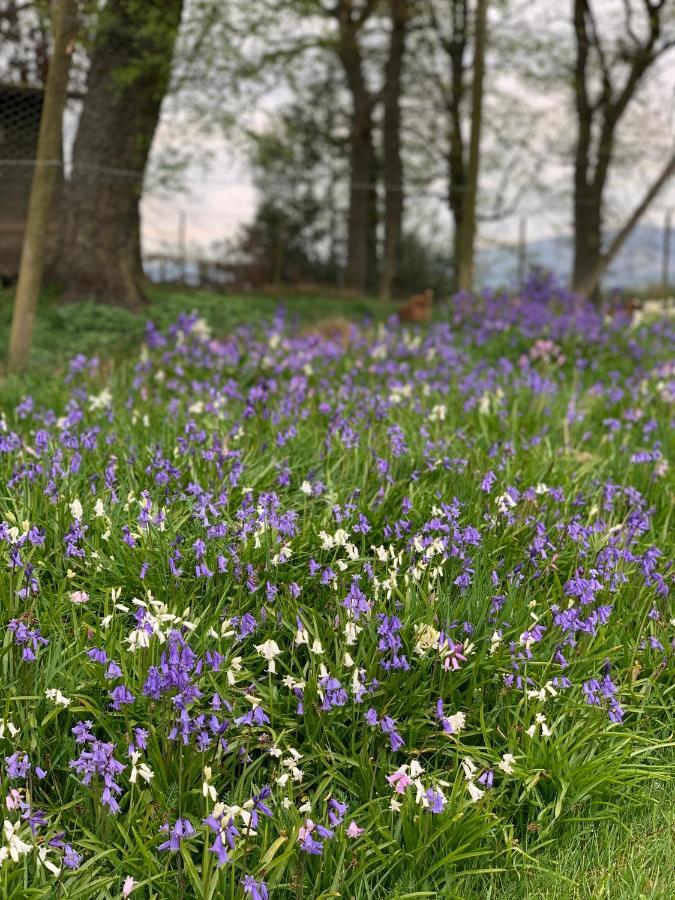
{"points": [[620, 239], [628, 16], [596, 43]]}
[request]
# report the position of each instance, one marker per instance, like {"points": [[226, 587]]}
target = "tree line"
{"points": [[377, 102]]}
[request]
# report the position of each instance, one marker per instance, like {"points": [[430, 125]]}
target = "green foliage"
{"points": [[295, 162], [423, 266], [585, 814]]}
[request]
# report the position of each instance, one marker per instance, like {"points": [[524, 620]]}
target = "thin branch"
{"points": [[366, 12], [596, 43], [445, 42], [628, 15]]}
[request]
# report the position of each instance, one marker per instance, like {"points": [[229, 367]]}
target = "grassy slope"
{"points": [[63, 330], [628, 856]]}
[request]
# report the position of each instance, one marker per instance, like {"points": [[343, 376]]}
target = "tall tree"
{"points": [[607, 78], [361, 272], [455, 67], [291, 237], [45, 178], [99, 254], [465, 264], [400, 12], [455, 46], [288, 33]]}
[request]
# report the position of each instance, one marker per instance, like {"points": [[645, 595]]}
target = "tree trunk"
{"points": [[456, 50], [587, 188], [100, 252], [466, 262], [587, 236], [361, 229], [43, 187], [601, 99], [361, 270], [393, 163], [372, 264], [457, 186], [591, 282]]}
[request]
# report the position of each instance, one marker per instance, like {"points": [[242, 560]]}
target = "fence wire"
{"points": [[188, 228], [188, 233]]}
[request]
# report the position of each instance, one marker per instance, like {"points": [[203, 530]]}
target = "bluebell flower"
{"points": [[182, 830], [257, 890]]}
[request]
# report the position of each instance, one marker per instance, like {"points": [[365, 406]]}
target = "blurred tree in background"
{"points": [[608, 72], [352, 115], [292, 237], [99, 252]]}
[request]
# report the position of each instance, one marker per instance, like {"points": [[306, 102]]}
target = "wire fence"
{"points": [[188, 229], [188, 235], [190, 222]]}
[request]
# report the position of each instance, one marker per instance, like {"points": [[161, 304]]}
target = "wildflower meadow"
{"points": [[292, 616]]}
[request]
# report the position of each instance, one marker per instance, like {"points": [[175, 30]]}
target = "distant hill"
{"points": [[637, 266]]}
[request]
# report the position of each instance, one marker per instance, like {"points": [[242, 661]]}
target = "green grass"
{"points": [[401, 427], [63, 330], [629, 855]]}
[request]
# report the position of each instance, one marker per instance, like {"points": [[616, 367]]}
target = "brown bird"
{"points": [[418, 308]]}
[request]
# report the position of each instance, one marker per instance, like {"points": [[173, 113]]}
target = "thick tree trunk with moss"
{"points": [[362, 217], [99, 256], [587, 236]]}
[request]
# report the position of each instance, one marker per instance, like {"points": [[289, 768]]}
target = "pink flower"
{"points": [[80, 597], [399, 780], [306, 829], [354, 831], [128, 886], [14, 799], [455, 655]]}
